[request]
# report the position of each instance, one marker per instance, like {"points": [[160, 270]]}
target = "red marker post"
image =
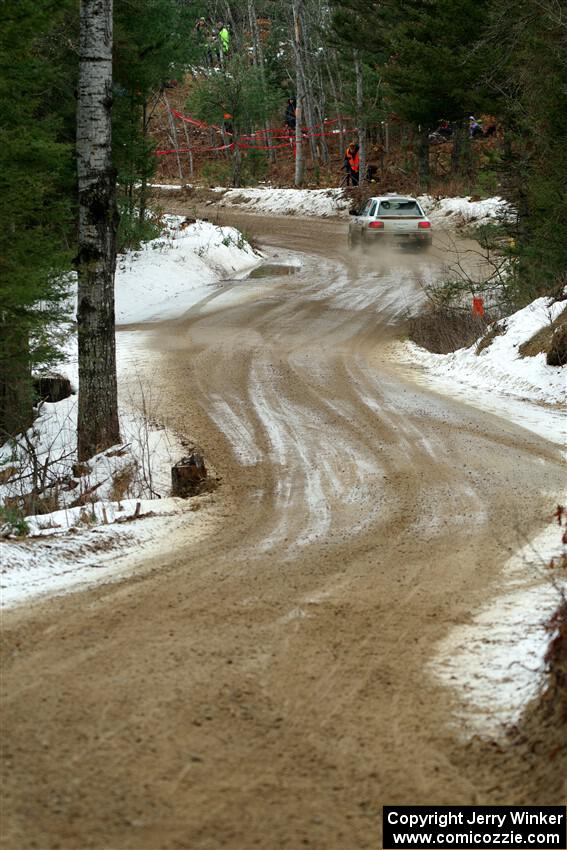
{"points": [[478, 306]]}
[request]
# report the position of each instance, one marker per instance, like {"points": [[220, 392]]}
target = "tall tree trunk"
{"points": [[236, 162], [320, 107], [300, 96], [258, 58], [16, 403], [98, 426], [144, 180], [190, 151], [173, 135], [460, 138], [360, 118], [334, 91], [307, 79], [423, 157]]}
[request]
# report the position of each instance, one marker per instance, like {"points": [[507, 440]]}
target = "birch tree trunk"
{"points": [[299, 95], [98, 426], [173, 135]]}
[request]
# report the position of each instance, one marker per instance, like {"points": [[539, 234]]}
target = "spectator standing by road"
{"points": [[475, 128], [289, 118], [352, 164], [224, 38]]}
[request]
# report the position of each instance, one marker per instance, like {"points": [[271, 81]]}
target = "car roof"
{"points": [[393, 197]]}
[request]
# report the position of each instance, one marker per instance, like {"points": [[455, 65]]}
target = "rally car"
{"points": [[390, 218]]}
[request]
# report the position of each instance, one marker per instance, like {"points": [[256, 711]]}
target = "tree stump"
{"points": [[557, 353], [187, 475], [52, 387]]}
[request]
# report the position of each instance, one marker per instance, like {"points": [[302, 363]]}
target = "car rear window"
{"points": [[399, 207]]}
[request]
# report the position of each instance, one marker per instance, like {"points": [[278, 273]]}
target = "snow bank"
{"points": [[499, 366], [443, 212], [454, 212], [497, 662], [59, 562], [450, 212], [169, 274], [140, 465], [301, 202]]}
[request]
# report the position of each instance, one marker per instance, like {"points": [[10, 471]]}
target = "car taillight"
{"points": [[376, 225], [424, 225]]}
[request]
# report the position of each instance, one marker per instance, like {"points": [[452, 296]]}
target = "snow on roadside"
{"points": [[498, 378], [90, 554], [139, 466], [169, 274], [446, 213], [301, 202], [496, 663], [452, 212]]}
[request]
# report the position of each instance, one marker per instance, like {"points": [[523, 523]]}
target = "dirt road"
{"points": [[269, 689]]}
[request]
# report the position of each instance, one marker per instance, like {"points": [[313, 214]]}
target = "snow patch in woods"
{"points": [[498, 378], [497, 662], [46, 456]]}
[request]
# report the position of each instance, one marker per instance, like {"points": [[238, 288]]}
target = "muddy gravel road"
{"points": [[269, 687]]}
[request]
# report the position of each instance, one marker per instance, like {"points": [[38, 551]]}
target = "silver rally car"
{"points": [[390, 218]]}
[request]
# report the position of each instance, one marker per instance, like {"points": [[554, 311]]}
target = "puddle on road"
{"points": [[273, 270]]}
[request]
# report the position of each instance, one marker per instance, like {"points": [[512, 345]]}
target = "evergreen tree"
{"points": [[527, 49], [155, 43], [238, 98], [36, 180]]}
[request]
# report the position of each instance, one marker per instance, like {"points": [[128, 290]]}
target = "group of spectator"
{"points": [[444, 131], [215, 39]]}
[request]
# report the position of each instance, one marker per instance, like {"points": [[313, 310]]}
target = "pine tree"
{"points": [[154, 43], [526, 45], [240, 92], [36, 211]]}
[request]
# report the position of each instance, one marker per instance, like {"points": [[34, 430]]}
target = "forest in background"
{"points": [[388, 71]]}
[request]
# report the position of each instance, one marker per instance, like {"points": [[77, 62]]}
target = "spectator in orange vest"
{"points": [[352, 164]]}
